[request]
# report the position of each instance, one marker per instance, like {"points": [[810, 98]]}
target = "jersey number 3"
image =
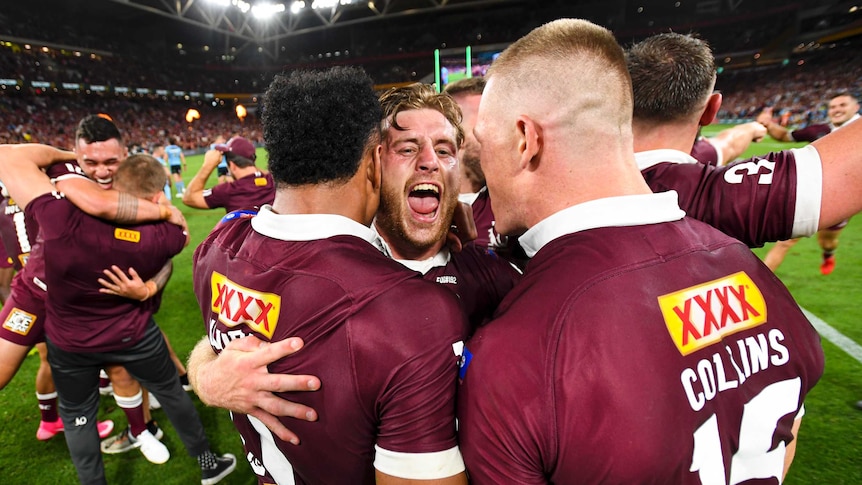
{"points": [[753, 459]]}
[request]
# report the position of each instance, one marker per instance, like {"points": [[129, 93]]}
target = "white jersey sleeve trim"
{"points": [[419, 466], [809, 191]]}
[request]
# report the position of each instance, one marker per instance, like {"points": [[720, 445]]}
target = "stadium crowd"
{"points": [[48, 118]]}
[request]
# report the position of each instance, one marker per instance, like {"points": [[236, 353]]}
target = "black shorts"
{"points": [[222, 171], [176, 169]]}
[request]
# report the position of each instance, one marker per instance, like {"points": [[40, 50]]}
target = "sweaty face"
{"points": [[841, 109], [420, 184], [100, 159], [469, 154]]}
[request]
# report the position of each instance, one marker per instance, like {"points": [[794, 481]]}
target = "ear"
{"points": [[529, 134], [374, 170], [159, 198], [711, 110]]}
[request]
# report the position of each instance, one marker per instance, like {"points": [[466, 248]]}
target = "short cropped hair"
{"points": [[555, 58], [469, 85], [672, 76], [419, 96], [318, 124], [140, 175], [95, 128]]}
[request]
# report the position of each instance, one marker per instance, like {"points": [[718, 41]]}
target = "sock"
{"points": [[184, 379], [181, 187], [168, 190], [826, 254], [134, 408], [103, 379], [207, 460], [48, 406]]}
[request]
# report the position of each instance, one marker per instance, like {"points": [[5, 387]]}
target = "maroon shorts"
{"points": [[22, 319]]}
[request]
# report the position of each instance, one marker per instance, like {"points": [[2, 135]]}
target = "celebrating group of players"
{"points": [[641, 344]]}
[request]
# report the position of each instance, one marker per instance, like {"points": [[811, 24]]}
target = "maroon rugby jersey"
{"points": [[18, 232], [23, 314], [704, 152], [77, 247], [250, 191], [378, 336], [762, 199], [479, 277], [663, 361]]}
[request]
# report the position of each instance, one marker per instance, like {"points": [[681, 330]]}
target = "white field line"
{"points": [[839, 339]]}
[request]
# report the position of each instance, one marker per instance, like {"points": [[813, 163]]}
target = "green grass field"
{"points": [[828, 450]]}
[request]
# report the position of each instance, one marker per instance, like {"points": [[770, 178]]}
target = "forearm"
{"points": [[201, 355], [161, 278], [41, 155], [111, 204], [777, 131]]}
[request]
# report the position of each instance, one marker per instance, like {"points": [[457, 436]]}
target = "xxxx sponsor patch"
{"points": [[235, 304], [702, 315]]}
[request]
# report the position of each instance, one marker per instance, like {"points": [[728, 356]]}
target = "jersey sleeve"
{"points": [[64, 171], [216, 196], [54, 215], [416, 405], [758, 200]]}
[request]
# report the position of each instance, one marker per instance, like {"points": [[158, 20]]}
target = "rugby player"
{"points": [[86, 329], [307, 266], [635, 371], [250, 187], [843, 109]]}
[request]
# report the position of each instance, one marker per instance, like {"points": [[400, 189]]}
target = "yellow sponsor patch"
{"points": [[19, 321], [127, 235], [23, 258], [702, 315], [235, 304], [260, 181]]}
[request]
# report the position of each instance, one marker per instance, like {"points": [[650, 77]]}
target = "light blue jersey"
{"points": [[173, 153]]}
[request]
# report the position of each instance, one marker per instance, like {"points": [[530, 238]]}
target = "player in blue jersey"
{"points": [[177, 164]]}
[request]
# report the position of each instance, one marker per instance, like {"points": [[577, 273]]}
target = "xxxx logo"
{"points": [[235, 304], [702, 315]]}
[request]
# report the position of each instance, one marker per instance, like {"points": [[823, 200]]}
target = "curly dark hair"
{"points": [[317, 124], [96, 128]]}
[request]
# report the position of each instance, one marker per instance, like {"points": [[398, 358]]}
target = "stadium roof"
{"points": [[231, 31]]}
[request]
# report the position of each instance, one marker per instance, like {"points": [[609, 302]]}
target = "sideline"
{"points": [[839, 339]]}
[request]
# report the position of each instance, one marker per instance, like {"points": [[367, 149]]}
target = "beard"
{"points": [[396, 224]]}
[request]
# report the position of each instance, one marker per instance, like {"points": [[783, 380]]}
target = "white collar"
{"points": [[308, 227], [648, 158], [421, 266], [629, 210], [470, 197]]}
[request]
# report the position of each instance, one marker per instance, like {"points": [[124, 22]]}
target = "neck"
{"points": [[244, 172], [343, 200], [653, 136]]}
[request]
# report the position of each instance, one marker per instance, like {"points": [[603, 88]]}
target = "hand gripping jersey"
{"points": [[79, 317], [250, 191], [676, 358], [759, 200], [379, 336]]}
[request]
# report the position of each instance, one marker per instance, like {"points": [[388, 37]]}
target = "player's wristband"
{"points": [[164, 212]]}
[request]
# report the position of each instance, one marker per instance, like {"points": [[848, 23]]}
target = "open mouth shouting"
{"points": [[424, 201]]}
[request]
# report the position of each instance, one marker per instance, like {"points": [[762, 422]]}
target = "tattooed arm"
{"points": [[114, 205]]}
